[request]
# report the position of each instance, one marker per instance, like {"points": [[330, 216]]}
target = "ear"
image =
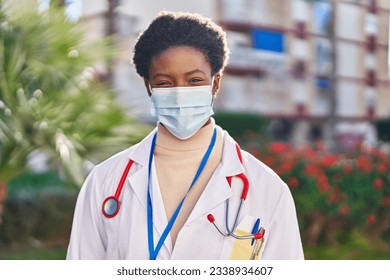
{"points": [[147, 85], [216, 84]]}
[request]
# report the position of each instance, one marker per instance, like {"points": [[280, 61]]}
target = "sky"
{"points": [[73, 9]]}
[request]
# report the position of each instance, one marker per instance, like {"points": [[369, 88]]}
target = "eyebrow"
{"points": [[186, 74], [194, 71]]}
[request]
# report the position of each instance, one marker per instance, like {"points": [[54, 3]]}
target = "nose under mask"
{"points": [[182, 110]]}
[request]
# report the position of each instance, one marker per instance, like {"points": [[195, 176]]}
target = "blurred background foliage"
{"points": [[39, 212], [58, 117], [51, 99]]}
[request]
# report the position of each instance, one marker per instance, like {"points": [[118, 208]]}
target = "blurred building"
{"points": [[314, 74]]}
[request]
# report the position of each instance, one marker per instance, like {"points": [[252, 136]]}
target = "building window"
{"points": [[322, 17], [268, 40], [323, 83]]}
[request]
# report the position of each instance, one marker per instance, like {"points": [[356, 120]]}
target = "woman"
{"points": [[178, 180]]}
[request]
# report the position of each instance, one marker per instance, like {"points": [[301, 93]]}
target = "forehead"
{"points": [[179, 59]]}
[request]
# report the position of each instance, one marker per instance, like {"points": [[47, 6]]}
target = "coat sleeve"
{"points": [[284, 240], [88, 239]]}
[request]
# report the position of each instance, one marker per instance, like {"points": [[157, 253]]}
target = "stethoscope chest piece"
{"points": [[110, 207]]}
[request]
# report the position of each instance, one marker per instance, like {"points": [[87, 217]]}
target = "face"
{"points": [[180, 67]]}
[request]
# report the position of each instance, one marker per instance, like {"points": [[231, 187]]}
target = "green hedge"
{"points": [[238, 124], [383, 129], [38, 207], [44, 216]]}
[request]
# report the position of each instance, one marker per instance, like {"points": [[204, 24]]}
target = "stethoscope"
{"points": [[258, 233], [111, 205]]}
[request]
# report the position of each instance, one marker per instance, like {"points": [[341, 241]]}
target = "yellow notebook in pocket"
{"points": [[243, 248]]}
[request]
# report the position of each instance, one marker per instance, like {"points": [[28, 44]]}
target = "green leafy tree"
{"points": [[51, 99]]}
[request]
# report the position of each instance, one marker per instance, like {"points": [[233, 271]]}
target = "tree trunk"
{"points": [[316, 227], [111, 31]]}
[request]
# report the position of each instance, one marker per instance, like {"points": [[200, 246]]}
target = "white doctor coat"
{"points": [[125, 236]]}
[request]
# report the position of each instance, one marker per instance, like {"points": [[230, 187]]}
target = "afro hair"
{"points": [[170, 29]]}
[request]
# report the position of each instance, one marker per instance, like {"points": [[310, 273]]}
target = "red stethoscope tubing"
{"points": [[118, 191], [244, 193], [123, 178], [242, 176]]}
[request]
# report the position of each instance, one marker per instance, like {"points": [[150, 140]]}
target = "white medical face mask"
{"points": [[182, 110]]}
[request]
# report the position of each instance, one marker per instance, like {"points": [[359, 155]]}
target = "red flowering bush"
{"points": [[331, 190]]}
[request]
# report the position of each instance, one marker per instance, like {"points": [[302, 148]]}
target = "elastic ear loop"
{"points": [[213, 96]]}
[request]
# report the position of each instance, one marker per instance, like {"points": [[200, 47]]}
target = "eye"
{"points": [[196, 80], [162, 84]]}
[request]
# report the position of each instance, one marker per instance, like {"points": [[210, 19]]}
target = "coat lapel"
{"points": [[139, 178], [218, 190]]}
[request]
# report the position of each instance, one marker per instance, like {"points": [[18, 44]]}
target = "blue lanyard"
{"points": [[154, 252]]}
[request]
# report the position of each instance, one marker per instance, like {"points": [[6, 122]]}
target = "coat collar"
{"points": [[140, 153], [216, 192], [230, 164], [139, 178]]}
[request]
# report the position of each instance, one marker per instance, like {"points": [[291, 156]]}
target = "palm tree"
{"points": [[51, 99]]}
